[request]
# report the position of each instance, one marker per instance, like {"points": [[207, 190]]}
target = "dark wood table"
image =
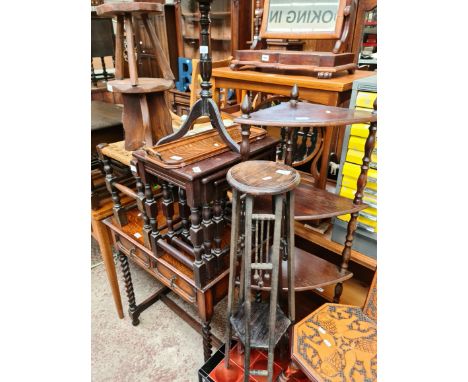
{"points": [[180, 235]]}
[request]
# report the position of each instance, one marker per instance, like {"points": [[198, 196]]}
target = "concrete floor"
{"points": [[161, 348]]}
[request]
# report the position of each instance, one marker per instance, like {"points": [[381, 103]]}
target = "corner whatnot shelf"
{"points": [[293, 115]]}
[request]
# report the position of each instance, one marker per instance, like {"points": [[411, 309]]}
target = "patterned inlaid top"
{"points": [[336, 343]]}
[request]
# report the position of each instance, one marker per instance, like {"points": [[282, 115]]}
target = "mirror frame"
{"points": [[334, 35]]}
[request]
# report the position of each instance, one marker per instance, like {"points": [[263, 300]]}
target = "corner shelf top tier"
{"points": [[306, 115], [114, 9]]}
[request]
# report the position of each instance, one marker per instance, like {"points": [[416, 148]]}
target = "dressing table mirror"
{"points": [[304, 20]]}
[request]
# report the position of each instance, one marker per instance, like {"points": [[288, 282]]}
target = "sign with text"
{"points": [[301, 17]]}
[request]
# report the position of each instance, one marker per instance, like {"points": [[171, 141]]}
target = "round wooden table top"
{"points": [[260, 177]]}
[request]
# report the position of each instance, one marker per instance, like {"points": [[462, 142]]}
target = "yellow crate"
{"points": [[368, 224], [349, 182], [372, 212], [363, 109], [354, 170], [348, 193], [355, 156], [360, 130], [358, 143], [366, 99]]}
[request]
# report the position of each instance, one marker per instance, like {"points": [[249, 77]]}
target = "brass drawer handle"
{"points": [[172, 281], [132, 255]]}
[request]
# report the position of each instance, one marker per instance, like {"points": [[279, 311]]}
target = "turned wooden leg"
{"points": [[184, 212], [346, 254], [129, 288], [119, 211], [168, 209], [338, 292], [206, 329], [105, 248], [141, 207], [196, 237], [208, 233], [218, 222], [151, 208]]}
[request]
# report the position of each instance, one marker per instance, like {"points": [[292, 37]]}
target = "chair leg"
{"points": [[129, 288]]}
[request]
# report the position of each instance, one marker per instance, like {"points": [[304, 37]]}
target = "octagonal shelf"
{"points": [[259, 318], [330, 325]]}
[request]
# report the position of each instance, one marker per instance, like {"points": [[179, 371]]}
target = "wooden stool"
{"points": [[146, 117], [259, 324]]}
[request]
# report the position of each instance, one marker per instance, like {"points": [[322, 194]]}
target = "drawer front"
{"points": [[135, 253], [171, 279], [161, 272]]}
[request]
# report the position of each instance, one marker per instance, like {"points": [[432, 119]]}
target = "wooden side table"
{"points": [[101, 234], [332, 92]]}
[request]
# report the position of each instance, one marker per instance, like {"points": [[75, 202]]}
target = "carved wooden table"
{"points": [[336, 343]]}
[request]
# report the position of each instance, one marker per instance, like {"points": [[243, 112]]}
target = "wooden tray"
{"points": [[195, 148]]}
